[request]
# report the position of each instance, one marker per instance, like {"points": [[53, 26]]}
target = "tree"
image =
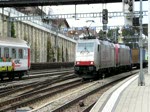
{"points": [[13, 30], [25, 38], [67, 55], [113, 34], [127, 31], [58, 54], [110, 34], [62, 54], [36, 52], [128, 34], [101, 34], [50, 51]]}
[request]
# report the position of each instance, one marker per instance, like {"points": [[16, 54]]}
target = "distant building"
{"points": [[81, 32], [31, 10], [59, 24]]}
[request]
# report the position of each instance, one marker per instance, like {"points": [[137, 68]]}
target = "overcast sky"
{"points": [[113, 7]]}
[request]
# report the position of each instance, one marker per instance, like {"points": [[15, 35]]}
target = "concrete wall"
{"points": [[38, 36]]}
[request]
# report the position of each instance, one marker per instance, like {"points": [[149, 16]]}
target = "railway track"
{"points": [[87, 102], [41, 73], [5, 91], [34, 77], [60, 104], [32, 72], [36, 93], [57, 97]]}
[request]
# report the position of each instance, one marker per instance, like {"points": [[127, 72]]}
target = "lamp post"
{"points": [[141, 80]]}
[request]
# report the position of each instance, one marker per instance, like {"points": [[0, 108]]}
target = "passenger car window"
{"points": [[25, 53], [20, 53], [0, 53], [14, 53], [6, 52], [1, 59]]}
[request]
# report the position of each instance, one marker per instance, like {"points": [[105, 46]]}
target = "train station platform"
{"points": [[126, 96]]}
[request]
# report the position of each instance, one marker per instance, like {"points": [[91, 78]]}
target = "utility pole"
{"points": [[141, 80], [149, 38]]}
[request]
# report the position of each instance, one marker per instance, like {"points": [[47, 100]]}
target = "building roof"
{"points": [[31, 10], [82, 33], [59, 22]]}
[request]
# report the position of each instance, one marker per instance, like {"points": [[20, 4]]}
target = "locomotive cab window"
{"points": [[6, 52], [85, 47], [20, 53], [14, 53]]}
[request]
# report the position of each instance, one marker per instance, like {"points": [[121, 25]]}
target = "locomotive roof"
{"points": [[13, 41], [95, 40], [122, 46], [87, 40]]}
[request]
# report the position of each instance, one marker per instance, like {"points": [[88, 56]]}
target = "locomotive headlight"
{"points": [[77, 62], [92, 63], [91, 68]]}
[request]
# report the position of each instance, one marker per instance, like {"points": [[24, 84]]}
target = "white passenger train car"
{"points": [[14, 57]]}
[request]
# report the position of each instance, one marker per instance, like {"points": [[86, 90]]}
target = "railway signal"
{"points": [[130, 3], [128, 6], [136, 21], [105, 16]]}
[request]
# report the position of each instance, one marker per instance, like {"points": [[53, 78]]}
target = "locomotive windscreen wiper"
{"points": [[85, 50]]}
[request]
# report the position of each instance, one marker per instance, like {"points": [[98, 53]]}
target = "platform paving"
{"points": [[126, 96]]}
